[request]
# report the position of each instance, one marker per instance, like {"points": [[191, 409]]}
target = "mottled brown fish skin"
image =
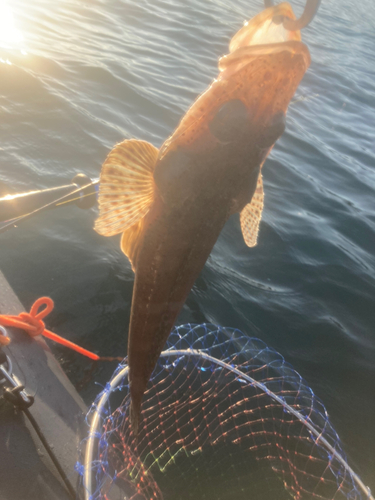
{"points": [[201, 181], [175, 248]]}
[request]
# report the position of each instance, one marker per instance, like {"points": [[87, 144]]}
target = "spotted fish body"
{"points": [[172, 204]]}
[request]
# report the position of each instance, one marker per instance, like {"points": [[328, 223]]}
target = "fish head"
{"points": [[243, 111], [265, 64]]}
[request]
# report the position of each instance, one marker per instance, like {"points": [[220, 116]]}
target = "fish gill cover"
{"points": [[224, 416]]}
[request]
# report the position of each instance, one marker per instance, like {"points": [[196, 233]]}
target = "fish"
{"points": [[170, 204]]}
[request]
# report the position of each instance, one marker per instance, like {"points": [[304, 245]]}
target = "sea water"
{"points": [[76, 77]]}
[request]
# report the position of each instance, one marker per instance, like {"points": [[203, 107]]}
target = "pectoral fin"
{"points": [[130, 242], [126, 189], [251, 215]]}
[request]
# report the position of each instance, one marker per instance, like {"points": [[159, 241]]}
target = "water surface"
{"points": [[76, 77]]}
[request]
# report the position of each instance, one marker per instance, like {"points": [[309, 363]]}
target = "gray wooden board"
{"points": [[26, 471]]}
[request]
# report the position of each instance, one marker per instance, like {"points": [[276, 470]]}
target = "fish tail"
{"points": [[135, 417]]}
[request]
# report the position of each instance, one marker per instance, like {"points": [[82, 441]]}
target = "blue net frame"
{"points": [[224, 416]]}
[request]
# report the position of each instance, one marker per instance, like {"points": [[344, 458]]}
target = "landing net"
{"points": [[224, 417]]}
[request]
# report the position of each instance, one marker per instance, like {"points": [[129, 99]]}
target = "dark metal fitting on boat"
{"points": [[18, 398], [16, 394], [5, 361], [308, 15]]}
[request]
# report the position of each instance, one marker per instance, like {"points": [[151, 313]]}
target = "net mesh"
{"points": [[224, 417]]}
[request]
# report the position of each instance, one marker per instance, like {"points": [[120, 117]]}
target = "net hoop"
{"points": [[98, 413]]}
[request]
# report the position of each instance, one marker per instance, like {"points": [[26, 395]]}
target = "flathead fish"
{"points": [[171, 204]]}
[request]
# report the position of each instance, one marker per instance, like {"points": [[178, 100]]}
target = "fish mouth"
{"points": [[266, 28], [264, 35], [244, 55]]}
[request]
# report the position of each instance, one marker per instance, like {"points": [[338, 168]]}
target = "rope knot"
{"points": [[32, 323], [34, 318]]}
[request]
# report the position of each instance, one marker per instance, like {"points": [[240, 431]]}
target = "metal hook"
{"points": [[311, 9]]}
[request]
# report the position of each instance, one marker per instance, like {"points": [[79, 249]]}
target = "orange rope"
{"points": [[32, 324]]}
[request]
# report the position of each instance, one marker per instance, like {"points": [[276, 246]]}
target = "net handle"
{"points": [[93, 434]]}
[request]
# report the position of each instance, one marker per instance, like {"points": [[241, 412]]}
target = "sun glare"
{"points": [[10, 36]]}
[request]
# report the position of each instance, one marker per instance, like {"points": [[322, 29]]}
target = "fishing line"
{"points": [[74, 199], [59, 201], [14, 220]]}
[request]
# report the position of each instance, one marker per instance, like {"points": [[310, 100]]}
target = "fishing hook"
{"points": [[311, 9]]}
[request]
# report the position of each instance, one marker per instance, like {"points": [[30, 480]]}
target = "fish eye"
{"points": [[273, 130], [230, 122]]}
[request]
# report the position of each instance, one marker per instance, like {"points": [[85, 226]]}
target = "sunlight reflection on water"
{"points": [[10, 35], [11, 38]]}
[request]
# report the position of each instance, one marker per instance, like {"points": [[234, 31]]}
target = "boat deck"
{"points": [[26, 470]]}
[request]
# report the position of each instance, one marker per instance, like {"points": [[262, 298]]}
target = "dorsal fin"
{"points": [[126, 188], [251, 215]]}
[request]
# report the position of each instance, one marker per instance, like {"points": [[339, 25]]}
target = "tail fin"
{"points": [[135, 417]]}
